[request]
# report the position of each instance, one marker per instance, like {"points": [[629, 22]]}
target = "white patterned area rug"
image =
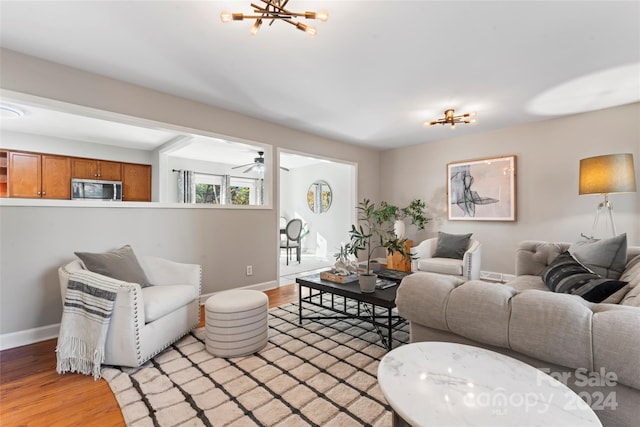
{"points": [[322, 373]]}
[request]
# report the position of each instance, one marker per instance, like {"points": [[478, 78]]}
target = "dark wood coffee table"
{"points": [[375, 308]]}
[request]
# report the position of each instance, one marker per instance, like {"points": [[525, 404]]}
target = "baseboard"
{"points": [[272, 284], [29, 336], [32, 336]]}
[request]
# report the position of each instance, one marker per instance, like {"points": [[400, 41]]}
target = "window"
{"points": [[242, 191]]}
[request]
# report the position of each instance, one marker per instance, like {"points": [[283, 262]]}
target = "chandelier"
{"points": [[451, 119], [275, 9]]}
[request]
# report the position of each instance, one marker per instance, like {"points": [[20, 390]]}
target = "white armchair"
{"points": [[468, 267], [147, 320]]}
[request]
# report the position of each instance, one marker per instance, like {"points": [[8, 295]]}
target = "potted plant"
{"points": [[375, 230], [415, 211]]}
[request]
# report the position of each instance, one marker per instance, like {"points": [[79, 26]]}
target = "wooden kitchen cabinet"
{"points": [[136, 182], [4, 167], [96, 169], [33, 175]]}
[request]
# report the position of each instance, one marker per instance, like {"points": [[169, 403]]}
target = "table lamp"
{"points": [[604, 175]]}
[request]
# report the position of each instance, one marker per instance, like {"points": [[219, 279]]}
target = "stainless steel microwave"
{"points": [[89, 189]]}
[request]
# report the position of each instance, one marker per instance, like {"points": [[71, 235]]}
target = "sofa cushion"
{"points": [[632, 298], [632, 275], [161, 300], [120, 264], [606, 257], [452, 245], [441, 265], [616, 342], [566, 275], [552, 327], [527, 282]]}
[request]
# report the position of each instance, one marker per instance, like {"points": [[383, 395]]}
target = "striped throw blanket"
{"points": [[88, 304]]}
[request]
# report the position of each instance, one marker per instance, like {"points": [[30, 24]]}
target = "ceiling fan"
{"points": [[257, 165]]}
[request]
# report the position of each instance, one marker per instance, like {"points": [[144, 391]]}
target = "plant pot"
{"points": [[399, 228], [367, 282]]}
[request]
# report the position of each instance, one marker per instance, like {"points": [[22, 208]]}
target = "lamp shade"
{"points": [[612, 173]]}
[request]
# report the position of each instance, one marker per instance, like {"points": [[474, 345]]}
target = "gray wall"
{"points": [[548, 155], [36, 240]]}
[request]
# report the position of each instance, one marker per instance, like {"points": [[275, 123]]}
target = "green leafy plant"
{"points": [[375, 228]]}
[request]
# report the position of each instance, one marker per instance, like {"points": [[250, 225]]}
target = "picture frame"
{"points": [[482, 189]]}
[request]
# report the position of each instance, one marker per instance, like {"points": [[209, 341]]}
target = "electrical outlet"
{"points": [[249, 270]]}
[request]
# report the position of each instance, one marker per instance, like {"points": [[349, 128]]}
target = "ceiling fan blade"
{"points": [[284, 169], [243, 166], [249, 169]]}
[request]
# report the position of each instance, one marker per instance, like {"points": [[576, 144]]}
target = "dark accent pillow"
{"points": [[567, 275], [452, 245], [120, 264], [606, 257]]}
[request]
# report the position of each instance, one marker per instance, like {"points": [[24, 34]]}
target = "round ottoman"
{"points": [[236, 322]]}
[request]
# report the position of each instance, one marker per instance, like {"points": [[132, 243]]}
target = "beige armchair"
{"points": [[468, 267], [146, 320]]}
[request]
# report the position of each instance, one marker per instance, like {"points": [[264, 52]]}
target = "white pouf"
{"points": [[236, 322]]}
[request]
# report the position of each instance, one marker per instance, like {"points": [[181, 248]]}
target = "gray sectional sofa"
{"points": [[594, 348]]}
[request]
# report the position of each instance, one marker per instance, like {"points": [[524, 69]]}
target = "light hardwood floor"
{"points": [[33, 394]]}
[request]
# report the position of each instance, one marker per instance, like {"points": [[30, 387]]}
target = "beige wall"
{"points": [[548, 205], [35, 240]]}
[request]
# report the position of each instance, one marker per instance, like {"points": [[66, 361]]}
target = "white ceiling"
{"points": [[375, 72]]}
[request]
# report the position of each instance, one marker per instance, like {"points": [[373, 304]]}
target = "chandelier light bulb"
{"points": [[255, 27], [322, 15], [226, 16], [312, 31]]}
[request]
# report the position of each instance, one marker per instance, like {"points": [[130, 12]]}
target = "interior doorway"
{"points": [[322, 193]]}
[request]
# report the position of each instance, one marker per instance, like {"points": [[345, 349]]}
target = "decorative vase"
{"points": [[399, 229], [367, 282]]}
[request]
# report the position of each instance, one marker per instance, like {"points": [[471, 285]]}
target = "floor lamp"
{"points": [[604, 175]]}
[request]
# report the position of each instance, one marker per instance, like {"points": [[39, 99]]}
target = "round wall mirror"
{"points": [[319, 197]]}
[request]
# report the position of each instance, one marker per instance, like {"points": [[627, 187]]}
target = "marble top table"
{"points": [[447, 384]]}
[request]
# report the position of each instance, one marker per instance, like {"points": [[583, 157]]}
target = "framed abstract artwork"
{"points": [[482, 189]]}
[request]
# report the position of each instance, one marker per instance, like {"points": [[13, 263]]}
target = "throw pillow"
{"points": [[567, 275], [606, 257], [631, 275], [120, 264], [452, 245]]}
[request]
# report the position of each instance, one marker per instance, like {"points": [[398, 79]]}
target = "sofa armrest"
{"points": [[128, 309], [471, 261], [425, 249], [422, 298]]}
